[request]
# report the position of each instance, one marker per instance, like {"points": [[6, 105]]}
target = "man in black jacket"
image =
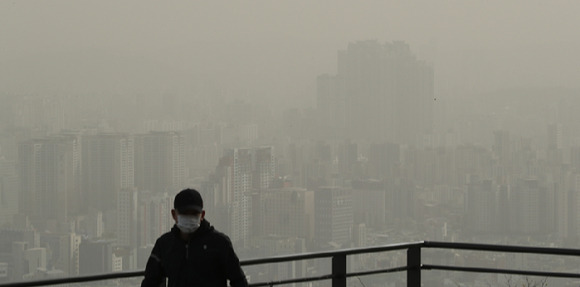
{"points": [[193, 253]]}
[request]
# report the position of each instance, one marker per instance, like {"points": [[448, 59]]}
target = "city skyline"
{"points": [[305, 127]]}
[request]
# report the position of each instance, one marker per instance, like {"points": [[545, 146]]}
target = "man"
{"points": [[193, 253]]}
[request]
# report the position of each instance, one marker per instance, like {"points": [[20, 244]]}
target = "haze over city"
{"points": [[404, 120]]}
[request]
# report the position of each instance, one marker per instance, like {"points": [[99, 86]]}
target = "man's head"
{"points": [[188, 202]]}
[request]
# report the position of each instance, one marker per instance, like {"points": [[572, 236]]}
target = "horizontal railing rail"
{"points": [[338, 273]]}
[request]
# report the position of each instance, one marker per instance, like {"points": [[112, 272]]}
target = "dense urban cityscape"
{"points": [[424, 125], [368, 166]]}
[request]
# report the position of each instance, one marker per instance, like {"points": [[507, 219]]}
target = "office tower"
{"points": [[502, 152], [203, 148], [333, 217], [4, 272], [154, 216], [286, 212], [240, 173], [401, 199], [481, 207], [472, 160], [93, 223], [35, 259], [127, 217], [160, 161], [107, 167], [383, 158], [64, 248], [331, 107], [369, 202], [8, 191], [347, 158], [69, 253], [381, 92], [47, 179], [96, 257], [555, 136], [555, 143], [264, 167], [13, 243], [525, 207], [273, 245], [18, 248]]}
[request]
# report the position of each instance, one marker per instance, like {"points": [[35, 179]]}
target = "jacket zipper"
{"points": [[187, 251]]}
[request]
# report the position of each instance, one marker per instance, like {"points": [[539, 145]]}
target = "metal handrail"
{"points": [[339, 256], [326, 254]]}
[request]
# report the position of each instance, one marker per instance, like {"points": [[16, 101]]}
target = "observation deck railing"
{"points": [[339, 274]]}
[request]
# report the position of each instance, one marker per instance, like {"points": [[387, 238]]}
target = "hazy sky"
{"points": [[273, 50]]}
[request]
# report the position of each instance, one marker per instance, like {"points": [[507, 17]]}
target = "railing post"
{"points": [[414, 265], [339, 270]]}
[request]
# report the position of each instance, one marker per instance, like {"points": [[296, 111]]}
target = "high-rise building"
{"points": [[481, 207], [286, 212], [160, 161], [333, 217], [8, 191], [369, 202], [527, 202], [382, 159], [64, 248], [381, 92], [96, 257], [154, 216], [107, 167], [127, 217], [47, 179], [331, 106], [240, 173]]}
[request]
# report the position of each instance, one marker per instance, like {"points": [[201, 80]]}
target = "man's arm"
{"points": [[154, 274], [234, 271]]}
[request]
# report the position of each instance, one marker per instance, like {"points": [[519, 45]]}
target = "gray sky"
{"points": [[273, 50]]}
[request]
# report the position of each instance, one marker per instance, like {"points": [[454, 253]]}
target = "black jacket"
{"points": [[207, 259]]}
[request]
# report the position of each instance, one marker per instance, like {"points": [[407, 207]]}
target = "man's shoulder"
{"points": [[219, 236], [166, 237]]}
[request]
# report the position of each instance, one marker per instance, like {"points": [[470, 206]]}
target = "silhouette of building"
{"points": [[127, 210], [381, 92], [154, 216], [107, 167], [8, 190], [369, 202], [97, 257], [286, 212], [47, 179], [240, 174], [160, 161], [333, 217], [482, 207]]}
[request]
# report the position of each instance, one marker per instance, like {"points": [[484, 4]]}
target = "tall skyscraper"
{"points": [[381, 92], [8, 190], [47, 177], [286, 212], [240, 173], [127, 217], [482, 207], [333, 216], [96, 257], [154, 216], [107, 168], [160, 161]]}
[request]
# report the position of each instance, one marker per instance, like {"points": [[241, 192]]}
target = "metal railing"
{"points": [[339, 272]]}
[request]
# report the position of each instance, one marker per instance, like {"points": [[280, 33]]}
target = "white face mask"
{"points": [[188, 223]]}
